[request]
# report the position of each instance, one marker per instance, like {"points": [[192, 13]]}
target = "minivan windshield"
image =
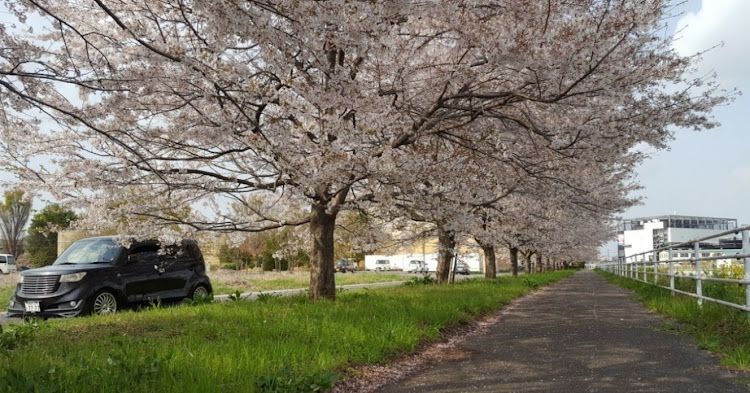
{"points": [[90, 251]]}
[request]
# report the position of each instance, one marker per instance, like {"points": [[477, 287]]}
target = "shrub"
{"points": [[425, 280]]}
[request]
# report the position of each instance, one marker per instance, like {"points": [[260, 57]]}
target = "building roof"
{"points": [[678, 217]]}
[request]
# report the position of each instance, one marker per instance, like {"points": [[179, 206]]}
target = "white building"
{"points": [[638, 235]]}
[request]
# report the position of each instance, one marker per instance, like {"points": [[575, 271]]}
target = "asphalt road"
{"points": [[579, 335]]}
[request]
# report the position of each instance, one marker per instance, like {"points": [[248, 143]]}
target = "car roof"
{"points": [[113, 238]]}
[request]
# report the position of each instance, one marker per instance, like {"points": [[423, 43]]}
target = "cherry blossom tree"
{"points": [[185, 116]]}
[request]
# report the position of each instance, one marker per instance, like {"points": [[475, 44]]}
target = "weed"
{"points": [[264, 297], [529, 283], [285, 380], [425, 280], [668, 327], [13, 336], [154, 304], [198, 299], [737, 358], [236, 296]]}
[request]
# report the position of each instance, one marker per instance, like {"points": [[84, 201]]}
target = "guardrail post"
{"points": [[746, 250], [656, 267], [671, 271], [698, 272]]}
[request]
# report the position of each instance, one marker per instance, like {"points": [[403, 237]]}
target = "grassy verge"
{"points": [[719, 329], [6, 291], [274, 345], [228, 282]]}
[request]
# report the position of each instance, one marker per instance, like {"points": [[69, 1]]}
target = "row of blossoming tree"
{"points": [[515, 123]]}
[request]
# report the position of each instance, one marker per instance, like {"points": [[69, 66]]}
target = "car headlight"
{"points": [[72, 277], [20, 279]]}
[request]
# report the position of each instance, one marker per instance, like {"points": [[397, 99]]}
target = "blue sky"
{"points": [[707, 173]]}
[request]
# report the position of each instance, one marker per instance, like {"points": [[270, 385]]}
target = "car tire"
{"points": [[198, 290], [103, 302]]}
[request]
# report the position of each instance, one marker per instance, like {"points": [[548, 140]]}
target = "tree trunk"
{"points": [[446, 244], [538, 262], [514, 261], [322, 224], [527, 262], [490, 266]]}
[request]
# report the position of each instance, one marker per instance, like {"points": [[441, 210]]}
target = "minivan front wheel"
{"points": [[103, 303]]}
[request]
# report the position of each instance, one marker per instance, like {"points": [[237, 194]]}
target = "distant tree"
{"points": [[41, 242], [14, 214]]}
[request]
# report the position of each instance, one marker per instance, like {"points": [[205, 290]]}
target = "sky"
{"points": [[706, 173]]}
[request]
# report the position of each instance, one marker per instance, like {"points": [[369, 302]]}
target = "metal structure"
{"points": [[647, 267]]}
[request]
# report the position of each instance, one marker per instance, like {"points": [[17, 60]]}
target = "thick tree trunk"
{"points": [[527, 263], [490, 265], [322, 224], [446, 244], [538, 262], [514, 261]]}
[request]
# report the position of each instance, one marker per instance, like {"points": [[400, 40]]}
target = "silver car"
{"points": [[462, 268]]}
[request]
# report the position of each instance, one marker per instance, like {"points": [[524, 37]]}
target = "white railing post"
{"points": [[656, 267], [637, 269], [627, 269], [698, 272], [671, 271], [746, 250], [630, 270]]}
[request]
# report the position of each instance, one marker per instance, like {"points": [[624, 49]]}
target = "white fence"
{"points": [[648, 267]]}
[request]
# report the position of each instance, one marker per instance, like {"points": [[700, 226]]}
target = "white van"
{"points": [[417, 266], [382, 265], [7, 264]]}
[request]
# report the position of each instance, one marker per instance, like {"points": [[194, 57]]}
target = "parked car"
{"points": [[344, 266], [382, 265], [99, 276], [7, 264], [417, 266], [462, 268]]}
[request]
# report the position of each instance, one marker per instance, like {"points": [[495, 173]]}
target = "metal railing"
{"points": [[648, 271]]}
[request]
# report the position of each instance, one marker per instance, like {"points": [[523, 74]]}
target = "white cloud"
{"points": [[718, 21]]}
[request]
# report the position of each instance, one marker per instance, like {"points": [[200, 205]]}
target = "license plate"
{"points": [[32, 307]]}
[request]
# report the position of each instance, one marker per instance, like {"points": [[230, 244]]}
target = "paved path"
{"points": [[579, 335]]}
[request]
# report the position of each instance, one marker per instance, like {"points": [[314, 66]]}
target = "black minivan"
{"points": [[97, 276]]}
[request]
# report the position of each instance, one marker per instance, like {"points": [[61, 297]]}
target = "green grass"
{"points": [[223, 289], [719, 329], [229, 282], [281, 344], [6, 292]]}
